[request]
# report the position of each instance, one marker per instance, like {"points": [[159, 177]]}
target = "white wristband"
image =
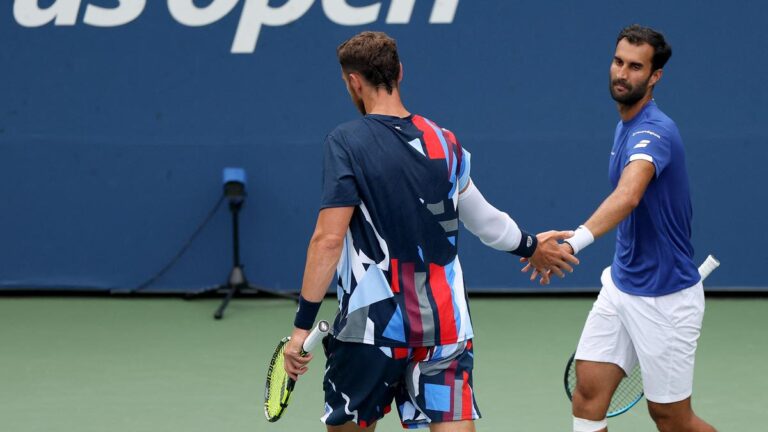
{"points": [[584, 425], [581, 238]]}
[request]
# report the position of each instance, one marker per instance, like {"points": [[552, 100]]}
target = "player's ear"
{"points": [[655, 77], [355, 82], [400, 74]]}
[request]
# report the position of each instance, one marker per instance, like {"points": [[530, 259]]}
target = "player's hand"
{"points": [[545, 275], [295, 364], [551, 256]]}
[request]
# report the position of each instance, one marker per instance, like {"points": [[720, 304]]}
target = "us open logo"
{"points": [[254, 15]]}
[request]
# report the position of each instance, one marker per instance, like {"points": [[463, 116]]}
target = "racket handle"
{"points": [[709, 265], [320, 330]]}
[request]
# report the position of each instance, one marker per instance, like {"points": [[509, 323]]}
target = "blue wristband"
{"points": [[528, 243], [306, 313]]}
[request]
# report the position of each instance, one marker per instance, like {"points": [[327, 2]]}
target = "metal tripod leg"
{"points": [[220, 311], [238, 282]]}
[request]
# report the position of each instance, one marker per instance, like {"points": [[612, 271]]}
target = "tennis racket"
{"points": [[277, 391], [630, 389]]}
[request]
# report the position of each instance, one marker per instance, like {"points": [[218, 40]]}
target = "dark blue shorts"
{"points": [[428, 385]]}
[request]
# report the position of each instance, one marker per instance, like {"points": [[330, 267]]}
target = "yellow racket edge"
{"points": [[277, 389]]}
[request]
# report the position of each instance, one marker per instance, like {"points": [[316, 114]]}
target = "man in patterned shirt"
{"points": [[395, 186]]}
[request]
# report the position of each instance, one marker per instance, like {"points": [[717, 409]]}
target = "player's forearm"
{"points": [[492, 226], [619, 204], [611, 212], [322, 257]]}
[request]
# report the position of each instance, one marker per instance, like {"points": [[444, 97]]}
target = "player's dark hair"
{"points": [[374, 56], [638, 35]]}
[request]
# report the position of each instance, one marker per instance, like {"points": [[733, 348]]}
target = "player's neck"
{"points": [[628, 112], [381, 102]]}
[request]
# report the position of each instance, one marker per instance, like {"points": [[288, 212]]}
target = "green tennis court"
{"points": [[114, 364]]}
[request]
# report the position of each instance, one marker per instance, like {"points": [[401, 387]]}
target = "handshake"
{"points": [[552, 255]]}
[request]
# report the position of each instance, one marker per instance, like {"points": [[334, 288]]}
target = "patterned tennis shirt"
{"points": [[399, 279]]}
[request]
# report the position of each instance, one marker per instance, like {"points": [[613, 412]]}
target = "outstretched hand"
{"points": [[550, 256]]}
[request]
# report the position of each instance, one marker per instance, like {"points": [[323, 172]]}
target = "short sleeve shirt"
{"points": [[399, 280], [654, 254]]}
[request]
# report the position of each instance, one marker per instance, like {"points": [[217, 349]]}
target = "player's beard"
{"points": [[360, 105], [358, 101], [632, 95]]}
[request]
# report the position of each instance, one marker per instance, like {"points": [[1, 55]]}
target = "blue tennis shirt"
{"points": [[654, 255]]}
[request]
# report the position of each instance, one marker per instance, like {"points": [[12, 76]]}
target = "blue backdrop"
{"points": [[117, 117]]}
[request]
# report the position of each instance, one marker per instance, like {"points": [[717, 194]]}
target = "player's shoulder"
{"points": [[418, 118], [348, 127], [655, 123], [658, 117], [347, 133], [420, 121]]}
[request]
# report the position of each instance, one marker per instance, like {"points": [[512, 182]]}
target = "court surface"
{"points": [[163, 364]]}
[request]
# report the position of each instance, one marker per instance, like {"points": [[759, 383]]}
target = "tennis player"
{"points": [[395, 186], [651, 304]]}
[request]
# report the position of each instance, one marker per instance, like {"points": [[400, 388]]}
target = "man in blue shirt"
{"points": [[651, 305], [395, 185]]}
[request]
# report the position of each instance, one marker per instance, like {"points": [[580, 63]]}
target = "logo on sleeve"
{"points": [[642, 144], [652, 133]]}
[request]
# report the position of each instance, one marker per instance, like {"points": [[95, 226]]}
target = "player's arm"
{"points": [[324, 251], [492, 226], [498, 230], [617, 206], [322, 257]]}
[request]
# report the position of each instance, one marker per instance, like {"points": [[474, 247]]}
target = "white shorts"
{"points": [[659, 332]]}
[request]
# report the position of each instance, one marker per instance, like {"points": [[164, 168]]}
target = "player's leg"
{"points": [[438, 389], [359, 383], [604, 354], [677, 417], [351, 427], [665, 331], [453, 426], [595, 384]]}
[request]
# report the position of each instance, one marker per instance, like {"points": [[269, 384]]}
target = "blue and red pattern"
{"points": [[427, 384], [400, 282]]}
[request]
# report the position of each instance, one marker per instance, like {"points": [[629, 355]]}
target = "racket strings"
{"points": [[276, 392], [278, 388], [571, 381], [629, 391]]}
